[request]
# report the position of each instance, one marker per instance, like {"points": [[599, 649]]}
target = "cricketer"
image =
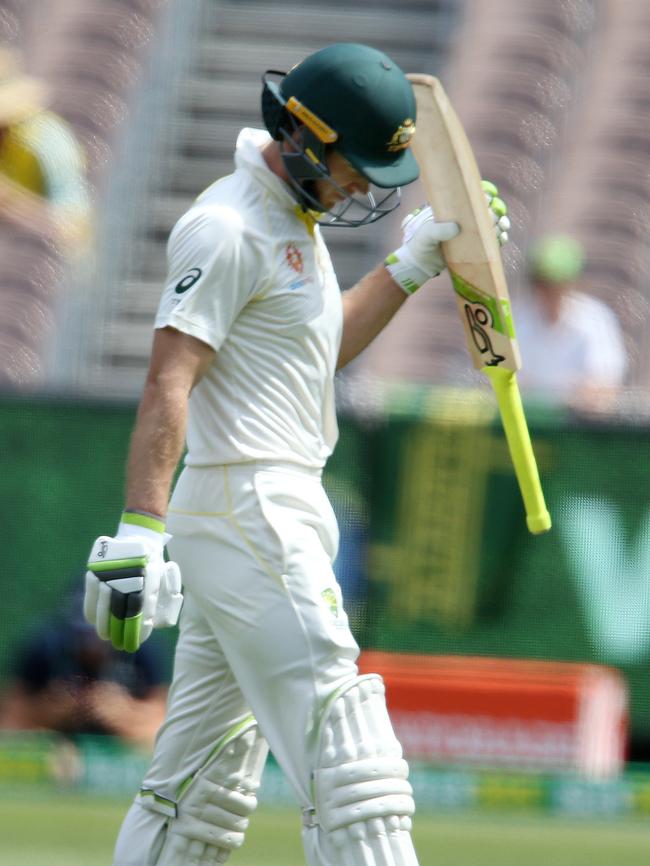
{"points": [[249, 333]]}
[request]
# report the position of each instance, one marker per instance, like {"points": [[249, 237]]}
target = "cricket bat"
{"points": [[452, 183]]}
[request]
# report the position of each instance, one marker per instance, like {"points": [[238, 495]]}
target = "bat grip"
{"points": [[511, 409]]}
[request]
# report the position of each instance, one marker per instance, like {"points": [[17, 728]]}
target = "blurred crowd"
{"points": [[63, 678], [45, 218], [61, 112], [67, 69]]}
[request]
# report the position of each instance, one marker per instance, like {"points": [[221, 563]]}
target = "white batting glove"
{"points": [[419, 259], [130, 589]]}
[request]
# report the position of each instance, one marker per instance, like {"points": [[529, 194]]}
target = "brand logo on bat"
{"points": [[188, 280], [478, 319]]}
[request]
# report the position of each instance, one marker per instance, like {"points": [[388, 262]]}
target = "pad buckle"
{"points": [[309, 819]]}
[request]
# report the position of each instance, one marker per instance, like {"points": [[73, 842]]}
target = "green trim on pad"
{"points": [[230, 734], [163, 804]]}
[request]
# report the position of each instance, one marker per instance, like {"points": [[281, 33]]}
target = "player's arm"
{"points": [[370, 305], [130, 589], [178, 362], [367, 308]]}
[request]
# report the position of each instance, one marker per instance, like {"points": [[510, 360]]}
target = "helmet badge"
{"points": [[402, 136]]}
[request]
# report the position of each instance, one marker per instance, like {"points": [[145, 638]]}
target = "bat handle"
{"points": [[506, 389]]}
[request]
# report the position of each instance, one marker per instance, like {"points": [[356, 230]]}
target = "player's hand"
{"points": [[419, 259], [130, 589]]}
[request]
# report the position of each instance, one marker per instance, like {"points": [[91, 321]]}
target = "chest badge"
{"points": [[294, 258]]}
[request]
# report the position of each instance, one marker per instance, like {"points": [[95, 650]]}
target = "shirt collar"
{"points": [[248, 155]]}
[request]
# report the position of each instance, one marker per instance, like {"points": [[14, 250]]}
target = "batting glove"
{"points": [[419, 259], [130, 589]]}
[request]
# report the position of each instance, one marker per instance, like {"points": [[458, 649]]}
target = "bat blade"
{"points": [[452, 183]]}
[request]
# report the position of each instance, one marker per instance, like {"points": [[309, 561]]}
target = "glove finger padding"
{"points": [[436, 231], [97, 605], [498, 211], [115, 599], [91, 597], [170, 598]]}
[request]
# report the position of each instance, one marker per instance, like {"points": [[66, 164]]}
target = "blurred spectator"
{"points": [[571, 344], [66, 679], [42, 179]]}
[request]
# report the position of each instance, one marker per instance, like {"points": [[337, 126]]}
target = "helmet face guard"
{"points": [[307, 139]]}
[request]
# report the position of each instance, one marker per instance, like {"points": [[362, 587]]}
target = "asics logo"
{"points": [[188, 280]]}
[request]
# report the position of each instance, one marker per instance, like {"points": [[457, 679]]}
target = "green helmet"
{"points": [[556, 259], [356, 99]]}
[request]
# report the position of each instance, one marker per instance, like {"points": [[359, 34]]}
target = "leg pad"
{"points": [[210, 815], [363, 801]]}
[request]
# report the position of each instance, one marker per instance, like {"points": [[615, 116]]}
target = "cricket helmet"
{"points": [[356, 99]]}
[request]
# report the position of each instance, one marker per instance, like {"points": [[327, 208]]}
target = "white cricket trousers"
{"points": [[262, 629]]}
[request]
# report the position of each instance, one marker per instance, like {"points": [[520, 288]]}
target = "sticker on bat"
{"points": [[478, 319], [500, 313]]}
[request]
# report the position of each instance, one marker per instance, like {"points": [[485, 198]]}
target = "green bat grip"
{"points": [[506, 389]]}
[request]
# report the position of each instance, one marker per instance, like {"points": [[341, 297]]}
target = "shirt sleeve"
{"points": [[212, 274]]}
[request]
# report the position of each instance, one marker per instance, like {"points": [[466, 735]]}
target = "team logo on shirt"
{"points": [[188, 280], [329, 598], [294, 258]]}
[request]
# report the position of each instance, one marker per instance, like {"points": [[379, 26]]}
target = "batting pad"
{"points": [[209, 818], [363, 801]]}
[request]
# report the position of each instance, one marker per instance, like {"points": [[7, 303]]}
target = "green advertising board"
{"points": [[435, 555]]}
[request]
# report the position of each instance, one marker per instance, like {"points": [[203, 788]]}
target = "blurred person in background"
{"points": [[65, 679], [42, 168], [572, 347]]}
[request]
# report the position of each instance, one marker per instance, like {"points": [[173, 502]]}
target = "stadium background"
{"points": [[435, 557]]}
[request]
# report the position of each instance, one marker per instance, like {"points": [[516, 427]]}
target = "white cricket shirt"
{"points": [[584, 347], [247, 276]]}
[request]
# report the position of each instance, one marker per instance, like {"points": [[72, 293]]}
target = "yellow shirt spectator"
{"points": [[40, 157]]}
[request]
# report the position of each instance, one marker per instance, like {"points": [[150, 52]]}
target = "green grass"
{"points": [[70, 831]]}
